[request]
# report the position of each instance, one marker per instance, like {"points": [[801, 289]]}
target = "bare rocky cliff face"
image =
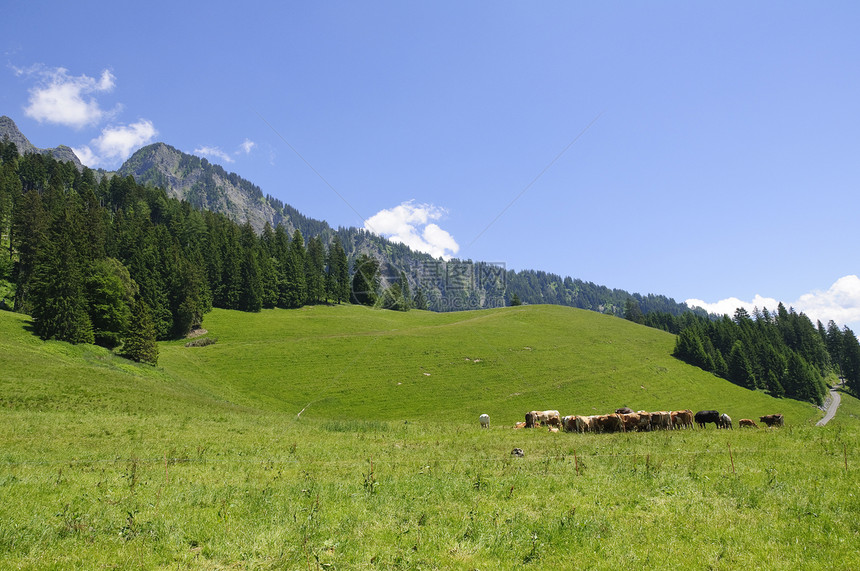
{"points": [[201, 183], [8, 129]]}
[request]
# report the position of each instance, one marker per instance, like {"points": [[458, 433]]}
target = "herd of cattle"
{"points": [[625, 420]]}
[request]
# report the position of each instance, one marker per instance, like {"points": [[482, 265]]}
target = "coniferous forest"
{"points": [[122, 265], [782, 353]]}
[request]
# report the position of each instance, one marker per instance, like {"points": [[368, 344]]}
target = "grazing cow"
{"points": [[608, 423], [584, 423], [644, 420], [725, 421], [705, 416], [629, 421], [682, 419], [543, 417], [747, 422], [485, 420], [772, 419], [624, 410], [568, 423], [661, 419]]}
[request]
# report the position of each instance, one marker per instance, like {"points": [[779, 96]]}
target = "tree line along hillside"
{"points": [[782, 353]]}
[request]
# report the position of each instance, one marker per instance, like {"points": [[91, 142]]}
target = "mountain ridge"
{"points": [[447, 285], [9, 129]]}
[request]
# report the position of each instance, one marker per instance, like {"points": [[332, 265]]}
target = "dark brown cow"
{"points": [[772, 419], [705, 416]]}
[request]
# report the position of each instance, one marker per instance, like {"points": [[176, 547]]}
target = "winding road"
{"points": [[831, 406]]}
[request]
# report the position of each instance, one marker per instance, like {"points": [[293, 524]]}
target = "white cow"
{"points": [[485, 420]]}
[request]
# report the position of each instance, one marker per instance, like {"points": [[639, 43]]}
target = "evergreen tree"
{"points": [[515, 300], [250, 284], [739, 368], [315, 271], [337, 277], [851, 360], [294, 290], [59, 303], [420, 300], [365, 280], [139, 342], [110, 295], [632, 311]]}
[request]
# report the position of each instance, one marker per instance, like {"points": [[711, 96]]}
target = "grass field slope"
{"points": [[202, 463]]}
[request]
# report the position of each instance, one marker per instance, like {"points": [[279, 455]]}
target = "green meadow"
{"points": [[348, 438]]}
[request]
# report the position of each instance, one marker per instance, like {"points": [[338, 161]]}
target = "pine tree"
{"points": [[337, 282], [851, 360], [294, 290], [59, 303], [315, 271], [420, 300], [365, 280], [515, 300], [110, 296], [739, 368], [139, 342]]}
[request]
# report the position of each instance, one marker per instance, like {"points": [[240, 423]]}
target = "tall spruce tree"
{"points": [[139, 342], [315, 271], [337, 277], [365, 280], [59, 301]]}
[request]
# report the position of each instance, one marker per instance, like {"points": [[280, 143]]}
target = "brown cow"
{"points": [[682, 419], [543, 418], [644, 420], [661, 419], [608, 423], [747, 422], [568, 423], [772, 419], [584, 423], [630, 421]]}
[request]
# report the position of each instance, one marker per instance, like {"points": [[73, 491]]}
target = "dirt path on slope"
{"points": [[831, 406]]}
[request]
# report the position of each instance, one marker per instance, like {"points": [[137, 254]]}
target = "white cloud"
{"points": [[408, 224], [214, 152], [840, 303], [64, 99], [247, 145], [116, 143]]}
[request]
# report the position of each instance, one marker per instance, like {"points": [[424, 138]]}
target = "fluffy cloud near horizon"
{"points": [[64, 99], [840, 303], [116, 143], [410, 224]]}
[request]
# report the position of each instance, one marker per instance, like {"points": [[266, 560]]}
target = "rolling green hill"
{"points": [[359, 363]]}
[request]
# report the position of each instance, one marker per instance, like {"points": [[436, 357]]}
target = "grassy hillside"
{"points": [[201, 462], [358, 363]]}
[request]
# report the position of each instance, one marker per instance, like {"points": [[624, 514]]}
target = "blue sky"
{"points": [[714, 151]]}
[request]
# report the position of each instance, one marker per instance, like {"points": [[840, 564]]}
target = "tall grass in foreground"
{"points": [[268, 492]]}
